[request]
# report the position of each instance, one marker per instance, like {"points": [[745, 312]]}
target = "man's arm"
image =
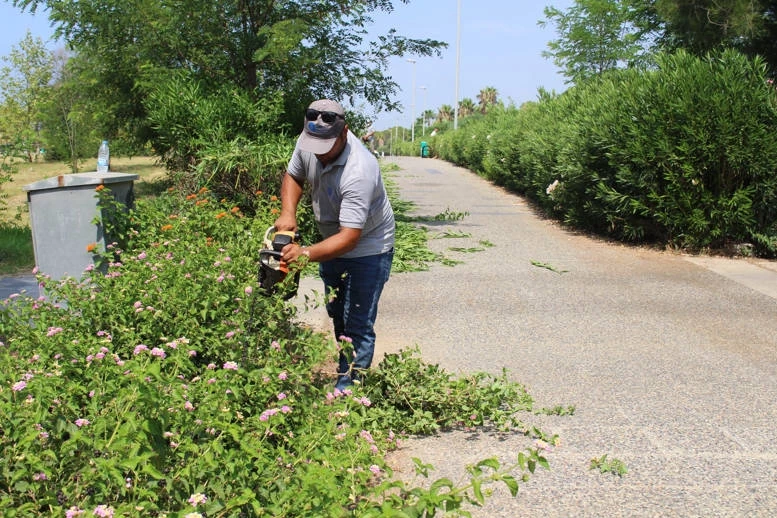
{"points": [[333, 246], [291, 193]]}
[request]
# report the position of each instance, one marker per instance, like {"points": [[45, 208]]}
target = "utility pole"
{"points": [[412, 105]]}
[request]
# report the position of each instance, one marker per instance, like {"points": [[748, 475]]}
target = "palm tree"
{"points": [[466, 107], [487, 97], [445, 113]]}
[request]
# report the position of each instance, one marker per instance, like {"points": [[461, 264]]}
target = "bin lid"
{"points": [[79, 179]]}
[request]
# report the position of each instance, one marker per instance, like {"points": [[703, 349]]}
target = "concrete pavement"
{"points": [[669, 360]]}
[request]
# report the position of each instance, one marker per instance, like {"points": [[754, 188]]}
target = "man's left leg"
{"points": [[363, 287]]}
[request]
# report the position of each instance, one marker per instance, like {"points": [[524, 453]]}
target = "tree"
{"points": [[69, 115], [600, 35], [488, 96], [445, 113], [24, 84], [700, 26], [304, 49], [764, 42], [466, 107]]}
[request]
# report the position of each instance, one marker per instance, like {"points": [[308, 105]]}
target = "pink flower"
{"points": [[281, 396], [160, 353], [142, 255], [285, 409], [275, 345], [103, 511], [248, 290], [137, 304], [53, 330], [39, 476], [188, 406], [268, 413], [82, 422], [73, 512], [375, 469], [197, 499], [230, 334], [192, 353], [363, 400], [19, 386], [230, 366], [139, 349], [282, 375]]}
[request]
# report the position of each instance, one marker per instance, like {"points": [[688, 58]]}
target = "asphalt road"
{"points": [[669, 360]]}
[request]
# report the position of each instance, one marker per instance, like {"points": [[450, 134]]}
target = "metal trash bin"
{"points": [[62, 211]]}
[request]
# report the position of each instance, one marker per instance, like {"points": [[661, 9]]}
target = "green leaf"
{"points": [[511, 484]]}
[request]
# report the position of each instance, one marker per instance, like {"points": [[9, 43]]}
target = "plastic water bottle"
{"points": [[103, 157]]}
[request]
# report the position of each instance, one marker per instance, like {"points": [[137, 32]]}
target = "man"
{"points": [[356, 222]]}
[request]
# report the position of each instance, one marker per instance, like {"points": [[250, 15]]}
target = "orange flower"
{"points": [[221, 215], [235, 210], [259, 193], [274, 211], [203, 190], [91, 247], [170, 189], [165, 228], [273, 198], [173, 216], [99, 188], [191, 196], [201, 202], [208, 241]]}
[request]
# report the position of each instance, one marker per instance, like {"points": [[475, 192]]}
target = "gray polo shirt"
{"points": [[350, 193]]}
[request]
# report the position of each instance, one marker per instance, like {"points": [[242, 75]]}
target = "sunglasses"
{"points": [[327, 117]]}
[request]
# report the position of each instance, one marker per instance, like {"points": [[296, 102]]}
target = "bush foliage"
{"points": [[163, 383], [684, 154]]}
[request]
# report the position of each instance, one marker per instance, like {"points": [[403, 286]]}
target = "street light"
{"points": [[458, 62], [423, 113], [412, 105]]}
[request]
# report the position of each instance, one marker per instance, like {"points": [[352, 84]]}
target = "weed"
{"points": [[605, 465]]}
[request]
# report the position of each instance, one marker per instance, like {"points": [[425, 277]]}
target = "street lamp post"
{"points": [[423, 113], [458, 61], [412, 105]]}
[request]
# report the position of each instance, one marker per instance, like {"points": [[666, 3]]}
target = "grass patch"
{"points": [[16, 254], [16, 250], [26, 173]]}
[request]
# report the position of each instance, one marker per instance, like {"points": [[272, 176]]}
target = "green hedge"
{"points": [[683, 155]]}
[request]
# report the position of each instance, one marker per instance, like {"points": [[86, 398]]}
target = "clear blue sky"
{"points": [[501, 46]]}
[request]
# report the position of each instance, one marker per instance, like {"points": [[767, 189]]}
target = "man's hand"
{"points": [[285, 222], [292, 252]]}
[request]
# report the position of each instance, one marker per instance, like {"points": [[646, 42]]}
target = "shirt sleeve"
{"points": [[296, 167]]}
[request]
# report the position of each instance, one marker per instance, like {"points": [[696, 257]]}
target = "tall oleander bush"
{"points": [[684, 154]]}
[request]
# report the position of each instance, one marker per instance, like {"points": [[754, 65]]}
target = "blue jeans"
{"points": [[353, 288]]}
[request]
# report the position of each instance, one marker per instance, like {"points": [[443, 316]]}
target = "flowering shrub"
{"points": [[168, 385]]}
